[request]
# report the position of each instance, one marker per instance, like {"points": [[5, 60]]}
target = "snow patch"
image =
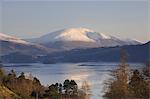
{"points": [[5, 37], [97, 36]]}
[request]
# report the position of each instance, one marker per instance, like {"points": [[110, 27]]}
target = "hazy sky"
{"points": [[33, 18]]}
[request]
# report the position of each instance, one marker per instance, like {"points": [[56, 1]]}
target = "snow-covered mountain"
{"points": [[80, 38], [10, 44], [66, 39], [72, 34]]}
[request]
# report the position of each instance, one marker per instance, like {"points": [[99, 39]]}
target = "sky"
{"points": [[34, 18]]}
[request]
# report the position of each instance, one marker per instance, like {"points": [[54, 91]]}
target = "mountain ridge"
{"points": [[10, 44], [136, 53], [72, 37]]}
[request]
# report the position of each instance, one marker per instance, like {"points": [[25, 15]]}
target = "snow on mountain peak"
{"points": [[77, 30], [73, 34], [86, 31], [5, 37]]}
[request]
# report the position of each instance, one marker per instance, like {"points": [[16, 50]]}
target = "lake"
{"points": [[94, 73]]}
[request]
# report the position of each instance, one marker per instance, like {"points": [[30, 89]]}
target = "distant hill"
{"points": [[18, 57], [136, 53], [10, 44]]}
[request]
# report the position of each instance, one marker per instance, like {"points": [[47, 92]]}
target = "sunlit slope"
{"points": [[5, 93]]}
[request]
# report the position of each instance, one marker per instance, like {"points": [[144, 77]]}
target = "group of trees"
{"points": [[128, 83], [63, 91], [22, 86], [31, 88]]}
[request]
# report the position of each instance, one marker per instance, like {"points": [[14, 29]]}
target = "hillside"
{"points": [[5, 93], [136, 53], [10, 44]]}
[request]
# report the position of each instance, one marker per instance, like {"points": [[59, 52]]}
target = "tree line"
{"points": [[31, 88], [127, 83]]}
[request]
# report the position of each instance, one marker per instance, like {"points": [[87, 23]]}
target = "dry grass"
{"points": [[5, 93]]}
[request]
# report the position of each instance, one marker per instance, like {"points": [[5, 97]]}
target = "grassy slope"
{"points": [[5, 93]]}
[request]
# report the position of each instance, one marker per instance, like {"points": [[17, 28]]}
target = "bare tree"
{"points": [[86, 90], [117, 86]]}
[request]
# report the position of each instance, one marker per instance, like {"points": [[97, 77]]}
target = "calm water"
{"points": [[94, 73]]}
